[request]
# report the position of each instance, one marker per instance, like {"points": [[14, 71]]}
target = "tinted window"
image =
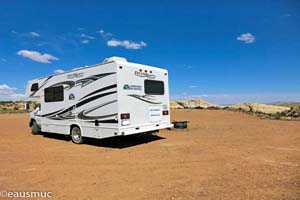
{"points": [[54, 94], [34, 87], [154, 87]]}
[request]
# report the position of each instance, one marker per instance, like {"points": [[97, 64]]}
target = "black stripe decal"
{"points": [[69, 83], [41, 86], [142, 98], [84, 81], [82, 116], [100, 90], [90, 79], [87, 111], [45, 115], [94, 98], [108, 121], [86, 101]]}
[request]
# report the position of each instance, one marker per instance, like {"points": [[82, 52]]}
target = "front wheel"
{"points": [[35, 128], [76, 135]]}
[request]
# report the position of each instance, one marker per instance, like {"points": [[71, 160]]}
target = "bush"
{"points": [[278, 115]]}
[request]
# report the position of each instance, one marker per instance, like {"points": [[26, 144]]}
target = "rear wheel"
{"points": [[76, 135], [35, 128]]}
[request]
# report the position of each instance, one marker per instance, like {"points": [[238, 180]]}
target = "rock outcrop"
{"points": [[196, 104], [259, 108], [175, 105], [191, 104]]}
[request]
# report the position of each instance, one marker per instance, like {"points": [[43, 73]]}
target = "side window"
{"points": [[34, 87], [54, 94]]}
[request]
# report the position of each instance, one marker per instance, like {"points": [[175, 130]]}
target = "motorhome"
{"points": [[113, 98]]}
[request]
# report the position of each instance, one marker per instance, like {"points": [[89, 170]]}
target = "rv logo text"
{"points": [[132, 87], [75, 75], [144, 74]]}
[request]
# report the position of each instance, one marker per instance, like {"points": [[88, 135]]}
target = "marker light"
{"points": [[165, 112]]}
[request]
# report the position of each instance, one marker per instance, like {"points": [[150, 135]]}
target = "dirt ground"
{"points": [[223, 155]]}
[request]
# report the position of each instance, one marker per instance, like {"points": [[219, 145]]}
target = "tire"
{"points": [[76, 135], [35, 128]]}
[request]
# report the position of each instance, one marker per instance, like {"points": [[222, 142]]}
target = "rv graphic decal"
{"points": [[132, 87], [144, 74], [46, 115], [83, 114], [146, 98], [88, 80], [100, 90], [70, 84], [67, 84], [71, 96], [75, 75], [69, 114], [33, 93], [111, 121]]}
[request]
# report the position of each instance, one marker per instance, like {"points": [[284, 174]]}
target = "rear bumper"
{"points": [[143, 128]]}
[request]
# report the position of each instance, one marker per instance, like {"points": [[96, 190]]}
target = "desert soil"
{"points": [[223, 155]]}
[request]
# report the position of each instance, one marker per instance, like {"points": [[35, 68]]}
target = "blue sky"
{"points": [[220, 51]]}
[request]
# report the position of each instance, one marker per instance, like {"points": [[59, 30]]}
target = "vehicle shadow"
{"points": [[118, 142], [121, 142]]}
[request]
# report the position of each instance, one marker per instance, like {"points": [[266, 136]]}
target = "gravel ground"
{"points": [[223, 155]]}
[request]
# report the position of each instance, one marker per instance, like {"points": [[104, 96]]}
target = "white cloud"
{"points": [[34, 34], [287, 15], [58, 71], [85, 41], [193, 86], [187, 66], [104, 34], [3, 60], [37, 56], [5, 87], [87, 36], [9, 93], [125, 43], [247, 38]]}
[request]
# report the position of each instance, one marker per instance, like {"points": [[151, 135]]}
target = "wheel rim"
{"points": [[76, 134]]}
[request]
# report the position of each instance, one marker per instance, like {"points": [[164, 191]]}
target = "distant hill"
{"points": [[287, 104], [259, 108]]}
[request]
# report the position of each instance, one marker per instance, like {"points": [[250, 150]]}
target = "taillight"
{"points": [[165, 112], [125, 116], [125, 119]]}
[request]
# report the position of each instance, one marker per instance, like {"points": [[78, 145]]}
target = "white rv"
{"points": [[114, 98]]}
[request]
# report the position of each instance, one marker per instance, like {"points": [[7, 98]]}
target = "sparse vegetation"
{"points": [[289, 114], [16, 107]]}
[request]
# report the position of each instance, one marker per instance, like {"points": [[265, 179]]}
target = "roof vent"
{"points": [[114, 59]]}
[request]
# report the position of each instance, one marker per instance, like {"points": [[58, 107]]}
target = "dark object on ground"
{"points": [[180, 124]]}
